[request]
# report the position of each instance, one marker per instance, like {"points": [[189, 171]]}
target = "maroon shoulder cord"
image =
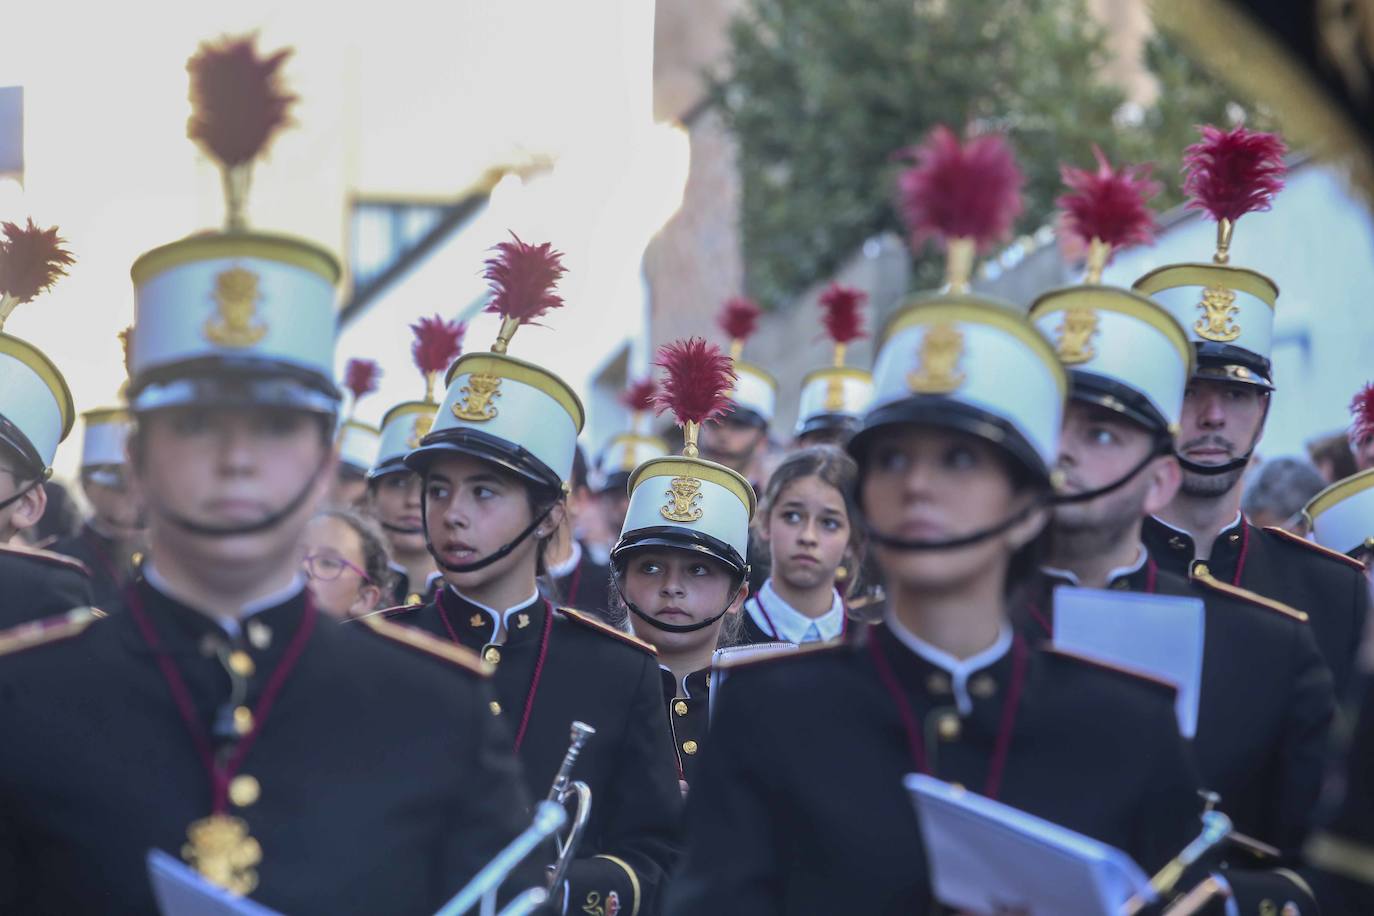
{"points": [[538, 662], [1244, 550], [915, 741], [222, 775]]}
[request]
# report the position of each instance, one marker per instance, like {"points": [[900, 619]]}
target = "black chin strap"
{"points": [[677, 627], [397, 529], [1163, 446], [1235, 464], [271, 520], [893, 542], [499, 554], [5, 504]]}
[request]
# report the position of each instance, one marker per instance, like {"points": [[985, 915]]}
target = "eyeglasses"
{"points": [[326, 567]]}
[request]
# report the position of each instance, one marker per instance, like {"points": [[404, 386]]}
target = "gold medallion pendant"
{"points": [[223, 852]]}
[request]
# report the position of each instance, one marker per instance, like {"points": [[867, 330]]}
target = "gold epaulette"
{"points": [[380, 612], [587, 620], [731, 663], [46, 556], [49, 629], [430, 645], [1113, 667], [1202, 576], [1315, 547]]}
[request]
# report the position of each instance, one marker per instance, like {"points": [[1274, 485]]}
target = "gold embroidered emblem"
{"points": [[477, 395], [237, 296], [221, 850], [834, 394], [1219, 310], [1075, 336], [423, 424], [937, 363], [477, 620], [595, 907], [684, 500], [522, 621]]}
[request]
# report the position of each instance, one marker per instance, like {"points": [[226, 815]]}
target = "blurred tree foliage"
{"points": [[820, 94]]}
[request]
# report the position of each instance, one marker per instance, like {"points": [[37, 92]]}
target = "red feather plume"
{"points": [[522, 279], [1109, 204], [843, 312], [954, 189], [1233, 172], [1363, 409], [700, 378], [639, 396], [238, 101], [361, 377], [437, 343], [739, 318], [31, 260]]}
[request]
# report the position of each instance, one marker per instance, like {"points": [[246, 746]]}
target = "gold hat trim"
{"points": [[283, 249], [1339, 492], [975, 310], [743, 368], [47, 371], [504, 366], [841, 372], [701, 469], [1121, 301], [101, 416], [1243, 279], [406, 408]]}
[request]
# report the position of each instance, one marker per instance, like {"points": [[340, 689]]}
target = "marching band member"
{"points": [[799, 806], [1228, 313], [495, 467], [346, 564], [679, 565], [1266, 695], [834, 398], [623, 453], [393, 489], [808, 522], [36, 413], [358, 441], [1341, 517], [219, 717], [740, 439]]}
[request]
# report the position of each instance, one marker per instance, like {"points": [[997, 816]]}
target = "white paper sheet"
{"points": [[181, 891], [1158, 635], [984, 855]]}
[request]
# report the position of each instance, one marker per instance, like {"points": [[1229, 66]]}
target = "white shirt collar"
{"points": [[568, 565], [959, 670], [230, 625], [498, 617], [791, 624], [1072, 578]]}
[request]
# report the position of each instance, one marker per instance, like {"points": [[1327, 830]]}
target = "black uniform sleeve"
{"points": [[640, 842], [1169, 819], [491, 804], [732, 862], [1304, 744]]}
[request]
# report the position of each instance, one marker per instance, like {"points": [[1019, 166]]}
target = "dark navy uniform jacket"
{"points": [[380, 780]]}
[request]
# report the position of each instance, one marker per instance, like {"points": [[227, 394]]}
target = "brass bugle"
{"points": [[564, 788]]}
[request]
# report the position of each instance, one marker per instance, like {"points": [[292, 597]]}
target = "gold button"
{"points": [[492, 655], [495, 708], [414, 598], [1200, 569], [1121, 585], [244, 790], [243, 720], [241, 663], [982, 687], [137, 559], [689, 747], [937, 683], [1267, 908], [948, 727], [1176, 543], [680, 708]]}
